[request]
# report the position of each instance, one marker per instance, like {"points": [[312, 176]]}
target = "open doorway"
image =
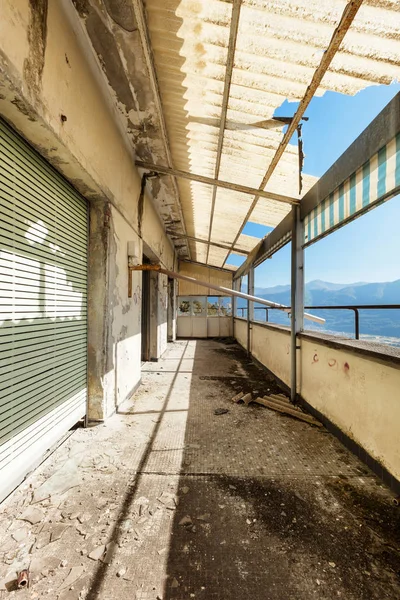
{"points": [[145, 350]]}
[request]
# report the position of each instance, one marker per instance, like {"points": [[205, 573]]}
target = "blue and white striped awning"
{"points": [[376, 181]]}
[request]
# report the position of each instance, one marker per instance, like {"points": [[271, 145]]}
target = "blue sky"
{"points": [[365, 250]]}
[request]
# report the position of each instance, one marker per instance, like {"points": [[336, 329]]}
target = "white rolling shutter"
{"points": [[43, 312]]}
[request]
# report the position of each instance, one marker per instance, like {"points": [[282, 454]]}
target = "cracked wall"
{"points": [[111, 28], [53, 93]]}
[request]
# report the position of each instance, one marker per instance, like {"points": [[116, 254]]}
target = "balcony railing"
{"points": [[353, 307]]}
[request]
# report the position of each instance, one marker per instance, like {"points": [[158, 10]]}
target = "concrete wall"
{"points": [[355, 388], [240, 331], [52, 92], [272, 347], [357, 392], [206, 274]]}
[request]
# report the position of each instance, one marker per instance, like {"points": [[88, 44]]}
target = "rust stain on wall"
{"points": [[37, 35]]}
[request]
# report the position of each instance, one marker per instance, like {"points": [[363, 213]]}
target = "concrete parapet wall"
{"points": [[355, 388]]}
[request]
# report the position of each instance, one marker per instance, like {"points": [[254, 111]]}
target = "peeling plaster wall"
{"points": [[52, 93]]}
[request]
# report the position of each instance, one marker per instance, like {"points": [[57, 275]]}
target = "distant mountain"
{"points": [[375, 322], [316, 284]]}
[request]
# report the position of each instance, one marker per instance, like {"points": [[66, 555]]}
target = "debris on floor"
{"points": [[221, 411], [276, 403], [164, 500]]}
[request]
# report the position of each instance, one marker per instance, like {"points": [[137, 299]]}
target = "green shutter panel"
{"points": [[43, 307]]}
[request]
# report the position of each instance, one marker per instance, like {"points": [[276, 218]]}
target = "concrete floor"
{"points": [[170, 501]]}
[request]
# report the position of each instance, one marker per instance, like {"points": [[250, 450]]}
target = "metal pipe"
{"points": [[357, 323], [293, 333], [218, 288], [250, 309], [297, 296]]}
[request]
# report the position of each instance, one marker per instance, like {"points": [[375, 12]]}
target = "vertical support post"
{"points": [[250, 307], [234, 305], [297, 295]]}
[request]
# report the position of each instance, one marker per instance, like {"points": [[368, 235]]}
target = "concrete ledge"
{"points": [[377, 352], [380, 352]]}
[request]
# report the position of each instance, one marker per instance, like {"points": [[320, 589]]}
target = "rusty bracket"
{"points": [[139, 268]]}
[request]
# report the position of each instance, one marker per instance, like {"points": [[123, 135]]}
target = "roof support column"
{"points": [[235, 284], [297, 297], [250, 308]]}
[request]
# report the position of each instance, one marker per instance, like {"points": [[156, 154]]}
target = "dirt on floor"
{"points": [[168, 500]]}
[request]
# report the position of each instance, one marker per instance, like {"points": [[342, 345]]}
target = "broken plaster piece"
{"points": [[73, 576], [57, 532], [221, 411], [110, 551], [20, 535], [32, 515], [97, 553], [63, 480]]}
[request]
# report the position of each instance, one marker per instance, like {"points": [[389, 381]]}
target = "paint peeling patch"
{"points": [[107, 51], [123, 333], [37, 35], [121, 12], [82, 7], [23, 108]]}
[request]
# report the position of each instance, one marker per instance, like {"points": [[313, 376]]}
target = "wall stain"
{"points": [[82, 7], [121, 12], [37, 37], [24, 108], [107, 51]]}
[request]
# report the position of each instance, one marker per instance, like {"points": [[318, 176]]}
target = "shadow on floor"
{"points": [[265, 507]]}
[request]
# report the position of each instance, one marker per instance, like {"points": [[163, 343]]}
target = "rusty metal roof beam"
{"points": [[200, 241], [346, 20], [236, 187], [236, 6], [141, 20]]}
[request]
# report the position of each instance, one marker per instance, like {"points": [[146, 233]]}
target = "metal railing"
{"points": [[354, 307]]}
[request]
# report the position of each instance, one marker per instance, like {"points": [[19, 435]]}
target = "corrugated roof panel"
{"points": [[279, 45]]}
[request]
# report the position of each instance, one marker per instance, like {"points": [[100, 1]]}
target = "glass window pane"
{"points": [[184, 307], [212, 306], [199, 306], [225, 307]]}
